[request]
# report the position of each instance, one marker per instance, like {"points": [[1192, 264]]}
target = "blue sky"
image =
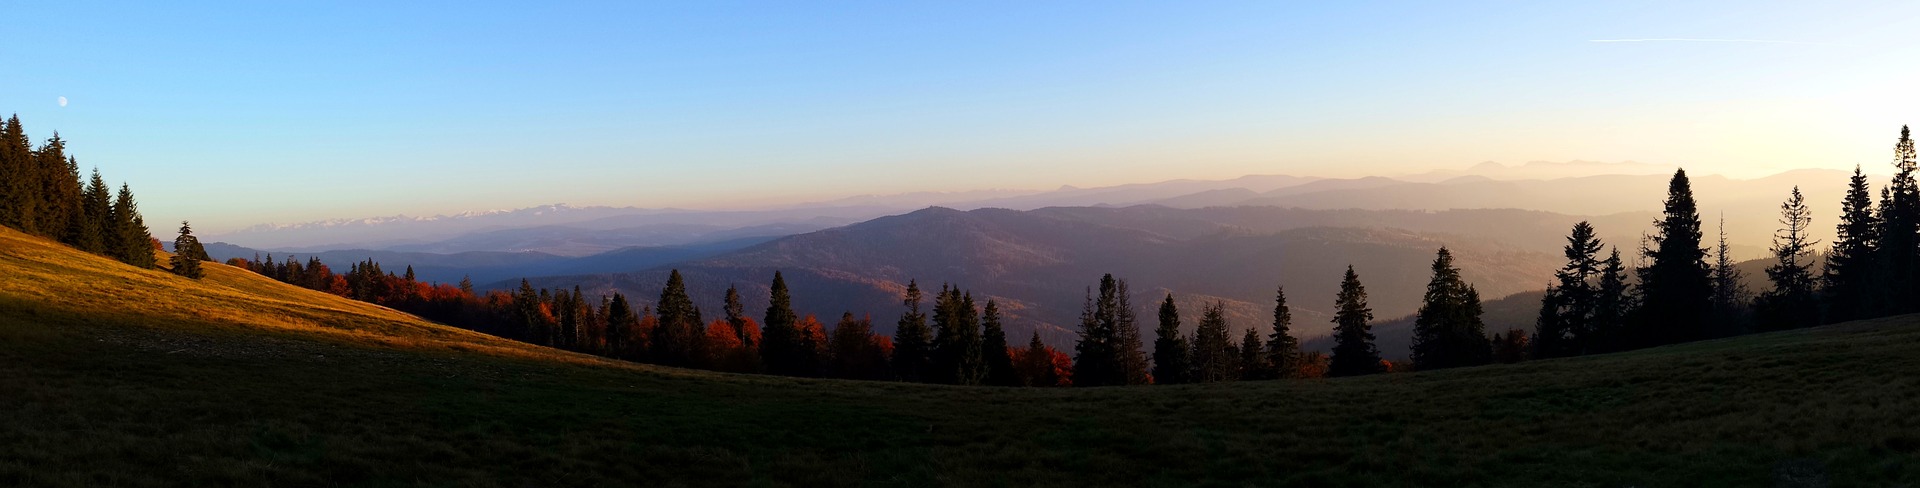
{"points": [[235, 114]]}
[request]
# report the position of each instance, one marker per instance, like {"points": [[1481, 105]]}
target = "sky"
{"points": [[243, 113]]}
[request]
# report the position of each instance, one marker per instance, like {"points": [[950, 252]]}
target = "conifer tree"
{"points": [[1353, 350], [1575, 292], [780, 340], [1900, 232], [1730, 295], [96, 218], [956, 352], [134, 240], [1611, 308], [1676, 289], [19, 188], [736, 313], [854, 353], [1132, 359], [466, 285], [993, 346], [1253, 356], [1096, 359], [1170, 351], [1849, 275], [1213, 352], [1792, 302], [184, 249], [912, 341], [675, 339], [78, 230], [1283, 350], [621, 321], [1448, 331], [59, 189], [1037, 360]]}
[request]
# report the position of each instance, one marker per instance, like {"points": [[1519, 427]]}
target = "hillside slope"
{"points": [[116, 377]]}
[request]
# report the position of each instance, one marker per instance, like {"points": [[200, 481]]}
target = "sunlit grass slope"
{"points": [[117, 377]]}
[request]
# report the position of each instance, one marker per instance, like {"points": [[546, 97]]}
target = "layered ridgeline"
{"points": [[130, 377]]}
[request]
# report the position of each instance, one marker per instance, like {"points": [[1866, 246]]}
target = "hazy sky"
{"points": [[244, 113]]}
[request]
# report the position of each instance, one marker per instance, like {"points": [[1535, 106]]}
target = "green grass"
{"points": [[118, 377]]}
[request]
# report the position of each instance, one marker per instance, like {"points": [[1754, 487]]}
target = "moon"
{"points": [[63, 101]]}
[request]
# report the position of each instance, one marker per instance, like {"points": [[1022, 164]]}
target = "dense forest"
{"points": [[1681, 289]]}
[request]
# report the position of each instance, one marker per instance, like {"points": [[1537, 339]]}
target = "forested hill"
{"points": [[1039, 263]]}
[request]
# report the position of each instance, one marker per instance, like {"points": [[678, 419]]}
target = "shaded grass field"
{"points": [[117, 377]]}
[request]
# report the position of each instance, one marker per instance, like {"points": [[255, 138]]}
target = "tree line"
{"points": [[1684, 291], [42, 193]]}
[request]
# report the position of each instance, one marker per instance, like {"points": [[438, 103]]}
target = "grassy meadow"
{"points": [[111, 376]]}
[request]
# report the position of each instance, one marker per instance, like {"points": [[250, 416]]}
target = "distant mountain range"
{"points": [[1038, 263]]}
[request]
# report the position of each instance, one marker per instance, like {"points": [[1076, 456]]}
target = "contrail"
{"points": [[1688, 39]]}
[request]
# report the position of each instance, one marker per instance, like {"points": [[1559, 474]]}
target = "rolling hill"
{"points": [[1038, 263], [123, 377]]}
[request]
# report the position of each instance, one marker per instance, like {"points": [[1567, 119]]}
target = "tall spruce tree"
{"points": [[1611, 308], [59, 190], [1134, 367], [184, 260], [1353, 350], [1171, 364], [1283, 350], [1253, 356], [621, 322], [73, 200], [1676, 291], [912, 341], [1097, 355], [134, 240], [1214, 353], [96, 217], [1730, 295], [1792, 302], [1576, 294], [19, 188], [1447, 330], [674, 339], [780, 348], [1900, 232], [956, 339], [994, 349], [1849, 275]]}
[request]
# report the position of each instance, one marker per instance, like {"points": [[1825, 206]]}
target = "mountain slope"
{"points": [[137, 378], [1038, 263]]}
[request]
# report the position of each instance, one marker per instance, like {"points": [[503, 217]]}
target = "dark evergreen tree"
{"points": [[134, 240], [1214, 353], [1448, 331], [1134, 369], [1730, 295], [1353, 350], [189, 246], [1676, 290], [675, 340], [736, 313], [1900, 233], [1792, 302], [78, 230], [1283, 350], [96, 217], [1171, 364], [19, 182], [1575, 294], [184, 262], [59, 189], [1097, 355], [912, 341], [1611, 308], [993, 347], [1850, 271], [1037, 360], [1253, 357], [780, 341], [956, 341], [621, 323]]}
